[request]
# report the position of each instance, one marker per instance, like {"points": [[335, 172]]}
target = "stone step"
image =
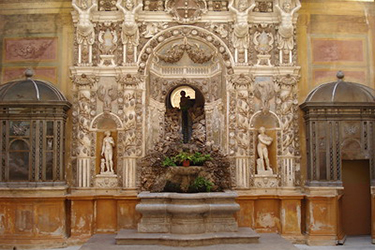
{"points": [[270, 241], [132, 237]]}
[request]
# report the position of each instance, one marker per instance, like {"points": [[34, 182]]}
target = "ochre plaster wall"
{"points": [[331, 35]]}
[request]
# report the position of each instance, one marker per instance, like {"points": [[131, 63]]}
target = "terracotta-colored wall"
{"points": [[32, 221]]}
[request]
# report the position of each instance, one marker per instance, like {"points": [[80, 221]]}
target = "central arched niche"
{"points": [[196, 63]]}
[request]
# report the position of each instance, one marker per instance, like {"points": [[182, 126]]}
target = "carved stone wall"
{"points": [[123, 76]]}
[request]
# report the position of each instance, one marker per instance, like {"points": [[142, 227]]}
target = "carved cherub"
{"points": [[285, 32], [241, 36], [130, 32], [85, 28]]}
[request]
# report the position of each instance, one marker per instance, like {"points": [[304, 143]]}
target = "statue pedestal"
{"points": [[106, 180]]}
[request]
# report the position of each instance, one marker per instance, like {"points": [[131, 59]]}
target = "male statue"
{"points": [[107, 150], [263, 141]]}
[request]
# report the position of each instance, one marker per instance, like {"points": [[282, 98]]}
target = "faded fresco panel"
{"points": [[330, 50], [30, 49], [43, 73], [323, 76]]}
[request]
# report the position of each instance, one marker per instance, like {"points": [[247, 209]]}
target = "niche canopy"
{"points": [[32, 122]]}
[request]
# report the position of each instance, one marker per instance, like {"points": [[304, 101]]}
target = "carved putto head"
{"points": [[129, 4], [242, 5], [84, 4], [287, 6]]}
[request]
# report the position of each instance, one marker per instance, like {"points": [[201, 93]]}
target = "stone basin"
{"points": [[179, 213]]}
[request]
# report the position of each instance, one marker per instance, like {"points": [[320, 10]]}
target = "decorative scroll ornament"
{"points": [[84, 80], [186, 11], [195, 53]]}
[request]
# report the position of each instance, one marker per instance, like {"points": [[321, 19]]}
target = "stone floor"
{"points": [[271, 242]]}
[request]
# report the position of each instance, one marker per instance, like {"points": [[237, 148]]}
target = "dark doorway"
{"points": [[356, 202]]}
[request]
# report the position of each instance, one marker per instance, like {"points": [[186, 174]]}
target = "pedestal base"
{"points": [[106, 180]]}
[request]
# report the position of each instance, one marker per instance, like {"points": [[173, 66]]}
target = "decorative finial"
{"points": [[340, 75], [29, 73]]}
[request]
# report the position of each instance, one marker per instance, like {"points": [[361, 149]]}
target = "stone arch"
{"points": [[112, 122], [176, 33]]}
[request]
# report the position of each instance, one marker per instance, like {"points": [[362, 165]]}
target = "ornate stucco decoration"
{"points": [[241, 81], [263, 6], [195, 53], [221, 29], [107, 5], [85, 33], [128, 80], [264, 91], [285, 34], [84, 80], [151, 29], [263, 40], [186, 11], [107, 96]]}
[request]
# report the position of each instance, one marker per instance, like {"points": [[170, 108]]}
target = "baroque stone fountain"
{"points": [[186, 219]]}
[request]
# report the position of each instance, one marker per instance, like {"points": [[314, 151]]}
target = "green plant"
{"points": [[168, 162], [199, 159], [201, 184], [182, 156]]}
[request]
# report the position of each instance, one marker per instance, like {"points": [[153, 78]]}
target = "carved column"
{"points": [[83, 111], [239, 135], [132, 136]]}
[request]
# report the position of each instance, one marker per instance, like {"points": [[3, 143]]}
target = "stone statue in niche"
{"points": [[286, 29], [106, 164], [185, 104], [130, 32], [263, 141], [241, 37], [85, 28]]}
